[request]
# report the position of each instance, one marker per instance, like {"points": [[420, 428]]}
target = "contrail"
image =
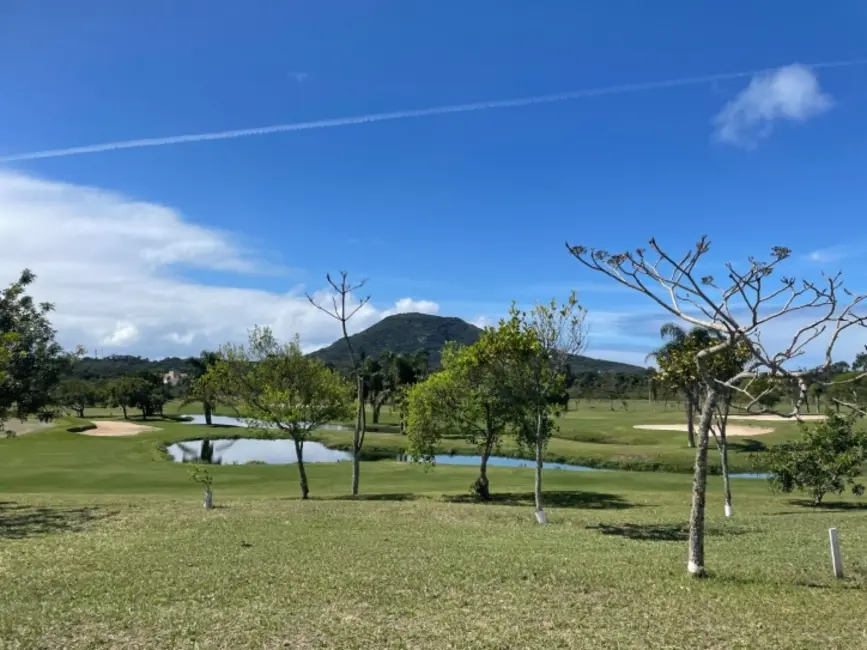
{"points": [[406, 115]]}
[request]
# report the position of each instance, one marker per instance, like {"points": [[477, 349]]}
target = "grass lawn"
{"points": [[104, 544]]}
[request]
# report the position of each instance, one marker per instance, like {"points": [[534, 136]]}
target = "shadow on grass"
{"points": [[840, 506], [659, 532], [746, 446], [21, 521], [394, 496], [557, 499]]}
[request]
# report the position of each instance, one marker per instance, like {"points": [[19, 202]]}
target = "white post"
{"points": [[836, 560], [728, 509], [541, 517]]}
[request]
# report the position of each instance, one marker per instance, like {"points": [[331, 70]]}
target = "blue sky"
{"points": [[455, 213]]}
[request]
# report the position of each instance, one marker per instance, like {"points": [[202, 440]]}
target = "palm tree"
{"points": [[677, 339]]}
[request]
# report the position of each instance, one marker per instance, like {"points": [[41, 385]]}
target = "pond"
{"points": [[225, 421], [246, 450], [505, 461]]}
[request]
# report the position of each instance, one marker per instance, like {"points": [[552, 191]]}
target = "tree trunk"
{"points": [[302, 472], [358, 438], [376, 407], [690, 420], [79, 411], [537, 488], [727, 486], [695, 564], [209, 499], [125, 417], [206, 406], [482, 486]]}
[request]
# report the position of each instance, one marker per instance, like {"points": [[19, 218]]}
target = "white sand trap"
{"points": [[732, 430], [116, 428], [776, 418]]}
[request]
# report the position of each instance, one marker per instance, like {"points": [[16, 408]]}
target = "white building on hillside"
{"points": [[173, 377]]}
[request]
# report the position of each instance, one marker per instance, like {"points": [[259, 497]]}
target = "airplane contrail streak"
{"points": [[404, 115]]}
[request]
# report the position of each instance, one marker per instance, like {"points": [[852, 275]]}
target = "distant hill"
{"points": [[407, 333], [401, 334]]}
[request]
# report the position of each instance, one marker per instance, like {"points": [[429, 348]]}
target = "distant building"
{"points": [[174, 377]]}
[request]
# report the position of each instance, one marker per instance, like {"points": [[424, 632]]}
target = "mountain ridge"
{"points": [[406, 333]]}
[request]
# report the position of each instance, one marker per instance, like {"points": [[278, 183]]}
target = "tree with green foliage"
{"points": [[32, 360], [274, 386], [76, 395], [539, 343], [470, 398], [860, 362], [144, 391], [195, 389], [677, 368], [829, 457]]}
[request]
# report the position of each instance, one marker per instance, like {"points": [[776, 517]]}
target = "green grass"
{"points": [[104, 544]]}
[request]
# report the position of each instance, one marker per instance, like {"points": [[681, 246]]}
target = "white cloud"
{"points": [[124, 334], [408, 305], [790, 93], [829, 254], [110, 264]]}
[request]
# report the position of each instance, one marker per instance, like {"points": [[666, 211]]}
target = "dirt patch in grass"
{"points": [[732, 430], [116, 428]]}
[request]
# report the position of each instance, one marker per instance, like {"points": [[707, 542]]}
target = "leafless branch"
{"points": [[674, 284], [344, 291]]}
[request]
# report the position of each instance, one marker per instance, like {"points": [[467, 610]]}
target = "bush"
{"points": [[828, 459]]}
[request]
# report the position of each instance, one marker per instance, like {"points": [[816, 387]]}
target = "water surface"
{"points": [[226, 421], [246, 450], [505, 461]]}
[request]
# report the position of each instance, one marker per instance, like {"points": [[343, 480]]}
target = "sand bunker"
{"points": [[732, 430], [116, 428], [775, 418]]}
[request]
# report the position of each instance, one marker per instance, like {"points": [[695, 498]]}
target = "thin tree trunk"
{"points": [[125, 417], [209, 499], [695, 564], [727, 486], [483, 486], [376, 407], [537, 488], [207, 408], [302, 472], [358, 438], [722, 442], [690, 419]]}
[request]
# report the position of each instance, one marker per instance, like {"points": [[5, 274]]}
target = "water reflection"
{"points": [[226, 421], [247, 450]]}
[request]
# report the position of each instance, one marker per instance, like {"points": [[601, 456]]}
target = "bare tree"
{"points": [[342, 311], [738, 310]]}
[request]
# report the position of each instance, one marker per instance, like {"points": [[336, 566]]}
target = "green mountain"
{"points": [[407, 333]]}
